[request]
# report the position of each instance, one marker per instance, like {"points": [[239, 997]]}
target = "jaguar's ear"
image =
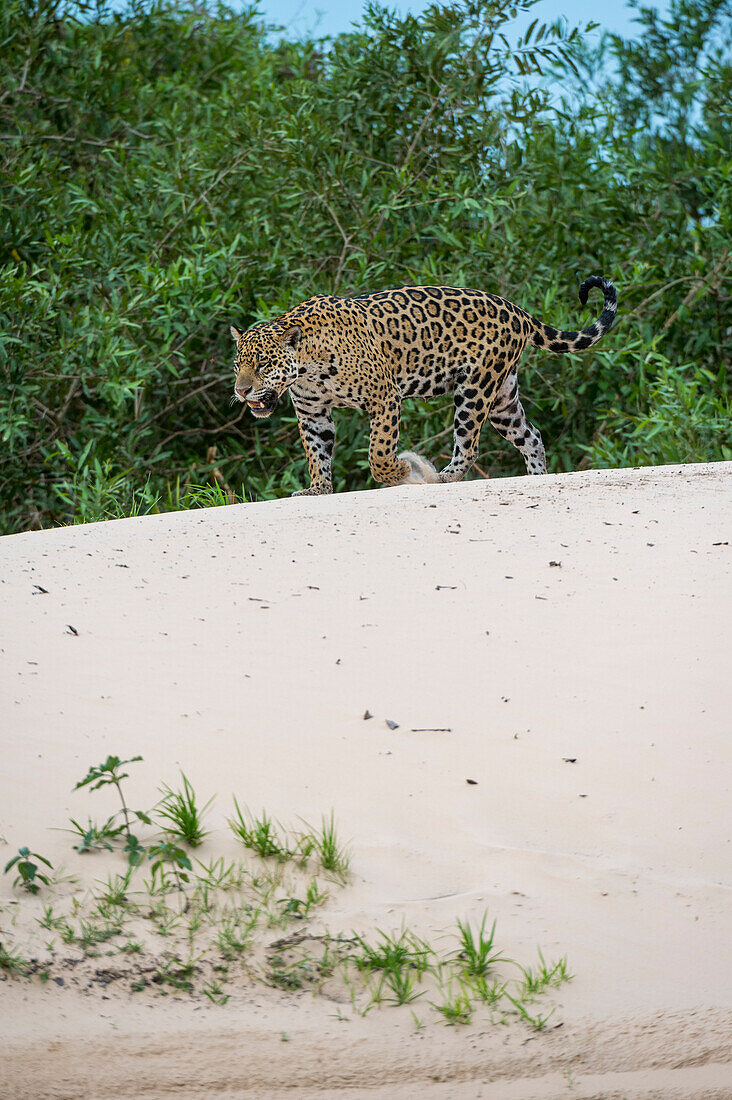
{"points": [[235, 334], [292, 336]]}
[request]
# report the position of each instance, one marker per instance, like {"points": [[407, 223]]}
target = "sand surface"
{"points": [[563, 642]]}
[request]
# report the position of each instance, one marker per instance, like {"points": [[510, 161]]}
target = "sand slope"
{"points": [[568, 638]]}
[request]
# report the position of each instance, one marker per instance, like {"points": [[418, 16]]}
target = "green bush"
{"points": [[686, 421], [169, 168]]}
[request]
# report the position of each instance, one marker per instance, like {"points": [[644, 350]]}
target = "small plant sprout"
{"points": [[48, 920], [299, 908], [91, 933], [234, 934], [545, 974], [165, 919], [331, 956], [115, 889], [182, 816], [456, 1007], [554, 973], [314, 896], [294, 975], [56, 923], [215, 993], [67, 933], [29, 877], [169, 855], [94, 836], [176, 972], [537, 1022], [489, 993], [218, 875]]}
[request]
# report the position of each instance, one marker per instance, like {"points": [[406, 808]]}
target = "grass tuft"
{"points": [[180, 812], [333, 856], [12, 964], [259, 834], [394, 954], [477, 948]]}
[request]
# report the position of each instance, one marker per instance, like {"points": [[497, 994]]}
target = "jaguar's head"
{"points": [[265, 364]]}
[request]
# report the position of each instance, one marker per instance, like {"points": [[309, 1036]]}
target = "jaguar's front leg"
{"points": [[471, 409], [317, 433]]}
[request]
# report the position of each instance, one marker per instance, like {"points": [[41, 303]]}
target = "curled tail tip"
{"points": [[601, 281]]}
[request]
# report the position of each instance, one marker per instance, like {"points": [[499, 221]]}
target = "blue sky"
{"points": [[302, 17]]}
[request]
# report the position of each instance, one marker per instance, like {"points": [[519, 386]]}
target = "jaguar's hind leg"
{"points": [[509, 419]]}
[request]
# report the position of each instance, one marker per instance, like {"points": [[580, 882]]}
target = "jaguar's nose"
{"points": [[242, 391]]}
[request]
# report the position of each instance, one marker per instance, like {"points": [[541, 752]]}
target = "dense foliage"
{"points": [[167, 169]]}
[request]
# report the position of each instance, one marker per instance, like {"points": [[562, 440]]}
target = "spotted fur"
{"points": [[372, 351]]}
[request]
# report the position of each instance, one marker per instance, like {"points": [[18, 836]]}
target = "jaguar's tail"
{"points": [[420, 471], [552, 339]]}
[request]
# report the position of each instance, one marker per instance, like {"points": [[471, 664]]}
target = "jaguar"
{"points": [[373, 351]]}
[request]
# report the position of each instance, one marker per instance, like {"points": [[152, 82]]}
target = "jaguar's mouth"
{"points": [[261, 407]]}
